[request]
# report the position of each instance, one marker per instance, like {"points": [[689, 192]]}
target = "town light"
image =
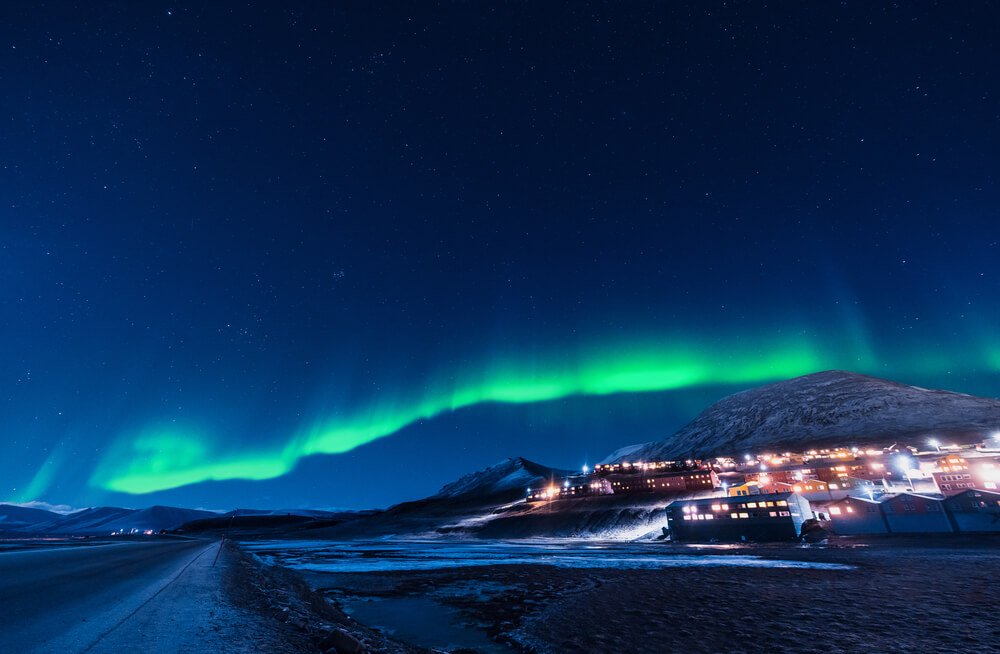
{"points": [[586, 468], [935, 443]]}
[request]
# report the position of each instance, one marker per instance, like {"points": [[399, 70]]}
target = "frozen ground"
{"points": [[394, 555], [548, 597]]}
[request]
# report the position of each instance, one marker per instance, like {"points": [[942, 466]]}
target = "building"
{"points": [[746, 488], [663, 481], [855, 516], [584, 486], [974, 511], [910, 513], [852, 487], [773, 517], [956, 474], [813, 490], [788, 474]]}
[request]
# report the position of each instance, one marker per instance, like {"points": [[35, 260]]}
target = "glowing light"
{"points": [[164, 460]]}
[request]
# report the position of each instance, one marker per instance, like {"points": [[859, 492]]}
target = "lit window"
{"points": [[736, 515], [782, 503], [716, 507], [709, 516], [687, 517], [785, 513], [773, 514], [850, 510], [834, 510], [751, 505], [744, 515]]}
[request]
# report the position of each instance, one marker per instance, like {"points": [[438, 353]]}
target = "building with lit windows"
{"points": [[856, 516], [956, 474], [772, 517]]}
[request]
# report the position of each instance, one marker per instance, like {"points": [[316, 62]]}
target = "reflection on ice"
{"points": [[388, 556]]}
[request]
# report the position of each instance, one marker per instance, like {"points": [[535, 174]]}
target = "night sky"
{"points": [[336, 255]]}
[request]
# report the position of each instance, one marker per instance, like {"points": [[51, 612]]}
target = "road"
{"points": [[154, 596]]}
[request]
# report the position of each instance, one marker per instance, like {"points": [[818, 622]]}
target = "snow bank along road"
{"points": [[155, 596]]}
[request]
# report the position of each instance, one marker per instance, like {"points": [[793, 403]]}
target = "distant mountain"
{"points": [[19, 518], [156, 518], [85, 521], [308, 513], [509, 477], [825, 408], [105, 520]]}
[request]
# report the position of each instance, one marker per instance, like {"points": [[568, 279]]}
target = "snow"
{"points": [[511, 475], [833, 407], [364, 556]]}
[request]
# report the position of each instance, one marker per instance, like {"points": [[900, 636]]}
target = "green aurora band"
{"points": [[161, 459]]}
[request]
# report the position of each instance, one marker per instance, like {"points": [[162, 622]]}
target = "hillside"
{"points": [[16, 518], [103, 520], [509, 478], [833, 407]]}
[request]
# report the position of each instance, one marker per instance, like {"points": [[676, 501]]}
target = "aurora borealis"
{"points": [[315, 255]]}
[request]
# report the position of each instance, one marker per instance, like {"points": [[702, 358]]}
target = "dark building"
{"points": [[975, 511], [855, 516], [910, 513], [772, 517]]}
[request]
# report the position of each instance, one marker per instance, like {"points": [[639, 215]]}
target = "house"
{"points": [[855, 516], [746, 488], [773, 517], [851, 487], [583, 486], [957, 474], [910, 513], [786, 473], [665, 481], [974, 511]]}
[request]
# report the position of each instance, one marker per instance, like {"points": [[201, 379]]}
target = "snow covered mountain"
{"points": [[103, 520], [509, 477], [17, 518], [825, 408]]}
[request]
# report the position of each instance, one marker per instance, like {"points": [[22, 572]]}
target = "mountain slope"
{"points": [[106, 520], [13, 517], [509, 477], [832, 407]]}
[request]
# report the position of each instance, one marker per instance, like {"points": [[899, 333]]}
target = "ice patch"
{"points": [[320, 556]]}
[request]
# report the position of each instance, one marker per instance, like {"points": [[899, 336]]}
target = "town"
{"points": [[847, 491]]}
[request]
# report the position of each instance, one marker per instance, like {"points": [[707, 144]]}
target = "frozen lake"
{"points": [[397, 555]]}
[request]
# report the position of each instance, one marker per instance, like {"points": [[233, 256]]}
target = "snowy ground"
{"points": [[570, 597], [397, 555]]}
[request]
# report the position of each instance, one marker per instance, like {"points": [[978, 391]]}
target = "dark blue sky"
{"points": [[239, 240]]}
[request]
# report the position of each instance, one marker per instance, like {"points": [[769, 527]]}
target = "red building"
{"points": [[663, 482]]}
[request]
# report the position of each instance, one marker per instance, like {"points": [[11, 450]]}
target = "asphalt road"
{"points": [[161, 596]]}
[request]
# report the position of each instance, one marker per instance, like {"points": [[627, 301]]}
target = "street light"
{"points": [[935, 443], [905, 465]]}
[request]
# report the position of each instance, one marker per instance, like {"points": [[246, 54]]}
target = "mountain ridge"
{"points": [[824, 408]]}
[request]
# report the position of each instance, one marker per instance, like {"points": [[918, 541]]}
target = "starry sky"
{"points": [[337, 254]]}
